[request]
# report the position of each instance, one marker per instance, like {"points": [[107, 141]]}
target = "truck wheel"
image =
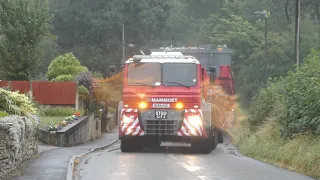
{"points": [[206, 146], [220, 136], [126, 145], [214, 141], [202, 146]]}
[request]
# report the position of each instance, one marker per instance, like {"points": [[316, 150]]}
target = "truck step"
{"points": [[175, 144]]}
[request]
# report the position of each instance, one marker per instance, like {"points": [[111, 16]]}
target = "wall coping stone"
{"points": [[73, 125]]}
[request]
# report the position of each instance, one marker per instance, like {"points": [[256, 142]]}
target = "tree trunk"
{"points": [[286, 9], [318, 13]]}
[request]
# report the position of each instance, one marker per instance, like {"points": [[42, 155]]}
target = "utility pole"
{"points": [[266, 15], [123, 46], [265, 47], [297, 33]]}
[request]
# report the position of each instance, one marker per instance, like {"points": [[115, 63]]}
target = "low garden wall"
{"points": [[111, 122], [86, 128], [17, 143]]}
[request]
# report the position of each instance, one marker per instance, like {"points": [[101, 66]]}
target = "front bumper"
{"points": [[179, 123]]}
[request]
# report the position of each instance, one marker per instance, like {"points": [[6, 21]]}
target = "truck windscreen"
{"points": [[179, 74], [144, 74], [173, 74]]}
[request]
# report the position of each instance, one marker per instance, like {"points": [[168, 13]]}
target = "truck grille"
{"points": [[161, 127], [168, 126]]}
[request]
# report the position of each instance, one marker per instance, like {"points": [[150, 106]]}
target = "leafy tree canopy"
{"points": [[292, 100], [65, 68], [92, 29], [23, 24]]}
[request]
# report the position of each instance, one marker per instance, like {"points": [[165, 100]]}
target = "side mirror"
{"points": [[202, 73], [212, 69], [212, 72]]}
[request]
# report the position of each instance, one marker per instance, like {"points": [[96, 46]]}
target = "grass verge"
{"points": [[46, 121], [59, 111], [300, 154]]}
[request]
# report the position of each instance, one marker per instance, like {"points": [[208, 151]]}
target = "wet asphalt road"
{"points": [[177, 163]]}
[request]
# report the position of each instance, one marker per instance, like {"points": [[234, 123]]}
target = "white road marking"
{"points": [[189, 168], [114, 149], [172, 156], [204, 177]]}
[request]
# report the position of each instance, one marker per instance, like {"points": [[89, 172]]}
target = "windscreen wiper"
{"points": [[173, 82], [141, 84]]}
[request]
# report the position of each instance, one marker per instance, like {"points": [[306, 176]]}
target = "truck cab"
{"points": [[164, 101]]}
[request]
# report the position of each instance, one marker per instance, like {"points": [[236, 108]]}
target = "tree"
{"points": [[65, 68], [187, 23], [252, 74], [23, 24], [239, 35], [247, 41], [92, 29], [51, 50]]}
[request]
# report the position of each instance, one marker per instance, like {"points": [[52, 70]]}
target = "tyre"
{"points": [[214, 140], [127, 145], [220, 136], [207, 148], [203, 146]]}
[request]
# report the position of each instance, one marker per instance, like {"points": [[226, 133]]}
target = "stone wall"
{"points": [[87, 128], [46, 137], [111, 122], [94, 128], [17, 143]]}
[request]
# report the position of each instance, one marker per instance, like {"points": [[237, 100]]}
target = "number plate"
{"points": [[161, 114], [161, 105]]}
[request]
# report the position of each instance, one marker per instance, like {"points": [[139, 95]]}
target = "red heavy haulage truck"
{"points": [[165, 99]]}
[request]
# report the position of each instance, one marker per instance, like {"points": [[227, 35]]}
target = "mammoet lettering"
{"points": [[164, 99]]}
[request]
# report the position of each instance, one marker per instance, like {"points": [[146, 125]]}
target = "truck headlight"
{"points": [[142, 105], [179, 105], [195, 120], [126, 119]]}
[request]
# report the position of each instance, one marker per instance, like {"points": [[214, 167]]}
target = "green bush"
{"points": [[17, 104], [66, 65], [83, 90], [284, 121], [64, 78], [302, 99], [293, 101], [97, 74], [269, 103], [59, 111], [3, 114]]}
